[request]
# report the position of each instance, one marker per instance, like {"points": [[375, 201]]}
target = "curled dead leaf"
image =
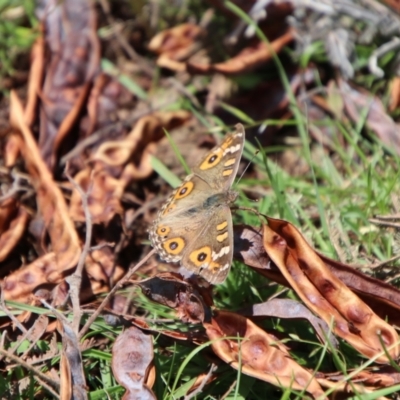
{"points": [[73, 61], [12, 150], [248, 59], [20, 284], [10, 237], [65, 245], [176, 44], [117, 163], [383, 298], [325, 294], [35, 79], [257, 353], [104, 194], [51, 202], [170, 290], [148, 129], [292, 309], [132, 358], [394, 93], [358, 101]]}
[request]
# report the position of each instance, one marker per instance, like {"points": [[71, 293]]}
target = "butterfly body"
{"points": [[194, 226]]}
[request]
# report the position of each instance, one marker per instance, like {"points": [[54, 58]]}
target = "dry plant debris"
{"points": [[78, 192], [132, 364]]}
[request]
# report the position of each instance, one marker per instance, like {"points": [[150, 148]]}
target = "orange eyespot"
{"points": [[201, 256], [163, 230], [184, 190], [174, 246], [212, 160], [215, 267]]}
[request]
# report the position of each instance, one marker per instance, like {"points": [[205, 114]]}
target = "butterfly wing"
{"points": [[195, 224], [219, 167], [179, 220], [210, 253]]}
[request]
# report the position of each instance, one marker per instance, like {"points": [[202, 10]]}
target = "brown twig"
{"points": [[29, 367], [10, 315], [226, 394], [203, 383], [72, 351], [390, 217], [75, 280], [386, 223], [384, 263], [102, 245], [393, 44], [47, 387], [15, 186], [117, 286], [13, 349], [393, 278]]}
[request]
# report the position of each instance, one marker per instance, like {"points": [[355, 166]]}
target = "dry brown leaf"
{"points": [[8, 210], [394, 93], [73, 48], [51, 202], [11, 237], [20, 284], [105, 101], [117, 163], [248, 59], [175, 45], [325, 294], [147, 130], [257, 353], [100, 265], [172, 291], [12, 149], [132, 358], [35, 79], [291, 309], [383, 298], [53, 209], [393, 4], [104, 194], [13, 220], [358, 103], [65, 378], [36, 332]]}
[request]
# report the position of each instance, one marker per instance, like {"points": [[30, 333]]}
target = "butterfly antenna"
{"points": [[247, 166]]}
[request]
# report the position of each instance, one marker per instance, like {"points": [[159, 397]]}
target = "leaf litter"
{"points": [[79, 190]]}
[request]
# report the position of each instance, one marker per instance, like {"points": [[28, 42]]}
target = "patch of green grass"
{"points": [[17, 32]]}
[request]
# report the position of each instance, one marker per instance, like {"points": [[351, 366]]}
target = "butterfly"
{"points": [[194, 226]]}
